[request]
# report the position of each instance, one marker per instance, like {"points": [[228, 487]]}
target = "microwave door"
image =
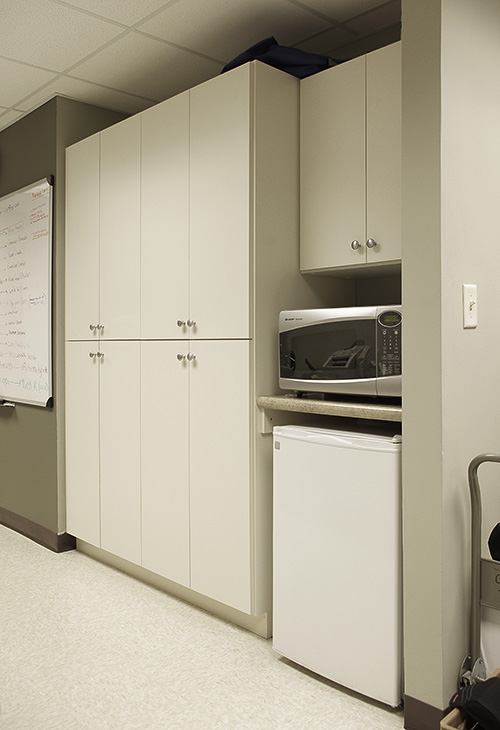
{"points": [[329, 356]]}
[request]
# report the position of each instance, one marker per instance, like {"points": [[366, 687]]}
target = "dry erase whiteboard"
{"points": [[26, 294]]}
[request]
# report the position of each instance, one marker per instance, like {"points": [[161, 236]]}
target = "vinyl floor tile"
{"points": [[86, 647]]}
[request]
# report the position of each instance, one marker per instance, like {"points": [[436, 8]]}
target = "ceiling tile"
{"points": [[18, 81], [341, 10], [222, 29], [89, 93], [157, 72], [49, 34], [127, 12], [381, 17], [366, 44], [323, 42]]}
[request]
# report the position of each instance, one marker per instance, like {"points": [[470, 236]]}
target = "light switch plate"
{"points": [[469, 296]]}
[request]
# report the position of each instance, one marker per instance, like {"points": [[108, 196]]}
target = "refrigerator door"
{"points": [[337, 557]]}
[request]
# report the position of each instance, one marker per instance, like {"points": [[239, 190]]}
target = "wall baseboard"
{"points": [[421, 716], [37, 533]]}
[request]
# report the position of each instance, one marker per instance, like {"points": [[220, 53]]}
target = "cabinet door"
{"points": [[120, 230], [82, 239], [120, 449], [332, 160], [82, 442], [383, 164], [220, 472], [165, 219], [164, 460], [220, 199]]}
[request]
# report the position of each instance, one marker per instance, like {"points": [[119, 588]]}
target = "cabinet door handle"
{"points": [[100, 327], [371, 243], [180, 356], [191, 323], [92, 354], [181, 323], [355, 245], [191, 356], [100, 355], [92, 327]]}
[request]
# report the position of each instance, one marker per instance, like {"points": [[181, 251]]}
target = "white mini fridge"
{"points": [[337, 557]]}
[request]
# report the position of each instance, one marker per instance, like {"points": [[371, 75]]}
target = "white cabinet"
{"points": [[82, 443], [165, 219], [165, 459], [178, 477], [103, 234], [120, 453], [220, 472], [195, 430], [221, 145], [351, 163], [82, 239], [196, 212], [103, 445], [120, 230]]}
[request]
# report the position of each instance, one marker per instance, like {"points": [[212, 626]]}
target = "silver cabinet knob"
{"points": [[355, 245], [92, 327], [100, 327], [180, 356], [191, 323], [100, 354], [92, 354], [371, 243], [191, 356], [181, 323]]}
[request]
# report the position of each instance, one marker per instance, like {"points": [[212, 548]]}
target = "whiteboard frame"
{"points": [[9, 396]]}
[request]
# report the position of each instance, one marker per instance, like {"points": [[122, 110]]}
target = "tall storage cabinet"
{"points": [[218, 250]]}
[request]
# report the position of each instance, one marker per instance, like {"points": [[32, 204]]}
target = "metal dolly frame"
{"points": [[485, 579]]}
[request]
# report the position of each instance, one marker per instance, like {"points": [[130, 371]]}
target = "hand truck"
{"points": [[485, 579]]}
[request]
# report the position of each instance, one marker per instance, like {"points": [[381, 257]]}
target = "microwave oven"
{"points": [[352, 350]]}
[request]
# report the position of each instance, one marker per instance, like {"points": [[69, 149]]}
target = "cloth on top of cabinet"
{"points": [[292, 60]]}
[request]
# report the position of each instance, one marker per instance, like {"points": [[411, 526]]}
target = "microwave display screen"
{"points": [[390, 319], [339, 350]]}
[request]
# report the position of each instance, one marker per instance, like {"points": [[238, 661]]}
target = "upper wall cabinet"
{"points": [[351, 163], [103, 190]]}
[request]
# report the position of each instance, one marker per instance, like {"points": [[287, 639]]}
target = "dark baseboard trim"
{"points": [[37, 533], [421, 716]]}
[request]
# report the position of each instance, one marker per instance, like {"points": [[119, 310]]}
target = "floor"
{"points": [[85, 647]]}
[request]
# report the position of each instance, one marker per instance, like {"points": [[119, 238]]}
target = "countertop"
{"points": [[378, 412]]}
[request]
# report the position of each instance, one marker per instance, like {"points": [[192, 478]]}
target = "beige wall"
{"points": [[451, 195]]}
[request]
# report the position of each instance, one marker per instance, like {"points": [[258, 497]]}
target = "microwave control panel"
{"points": [[389, 325]]}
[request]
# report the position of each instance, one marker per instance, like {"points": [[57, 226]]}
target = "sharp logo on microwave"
{"points": [[293, 319]]}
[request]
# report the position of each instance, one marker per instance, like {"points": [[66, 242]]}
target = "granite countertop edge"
{"points": [[380, 412]]}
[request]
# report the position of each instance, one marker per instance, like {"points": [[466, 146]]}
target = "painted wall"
{"points": [[32, 438], [451, 191]]}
